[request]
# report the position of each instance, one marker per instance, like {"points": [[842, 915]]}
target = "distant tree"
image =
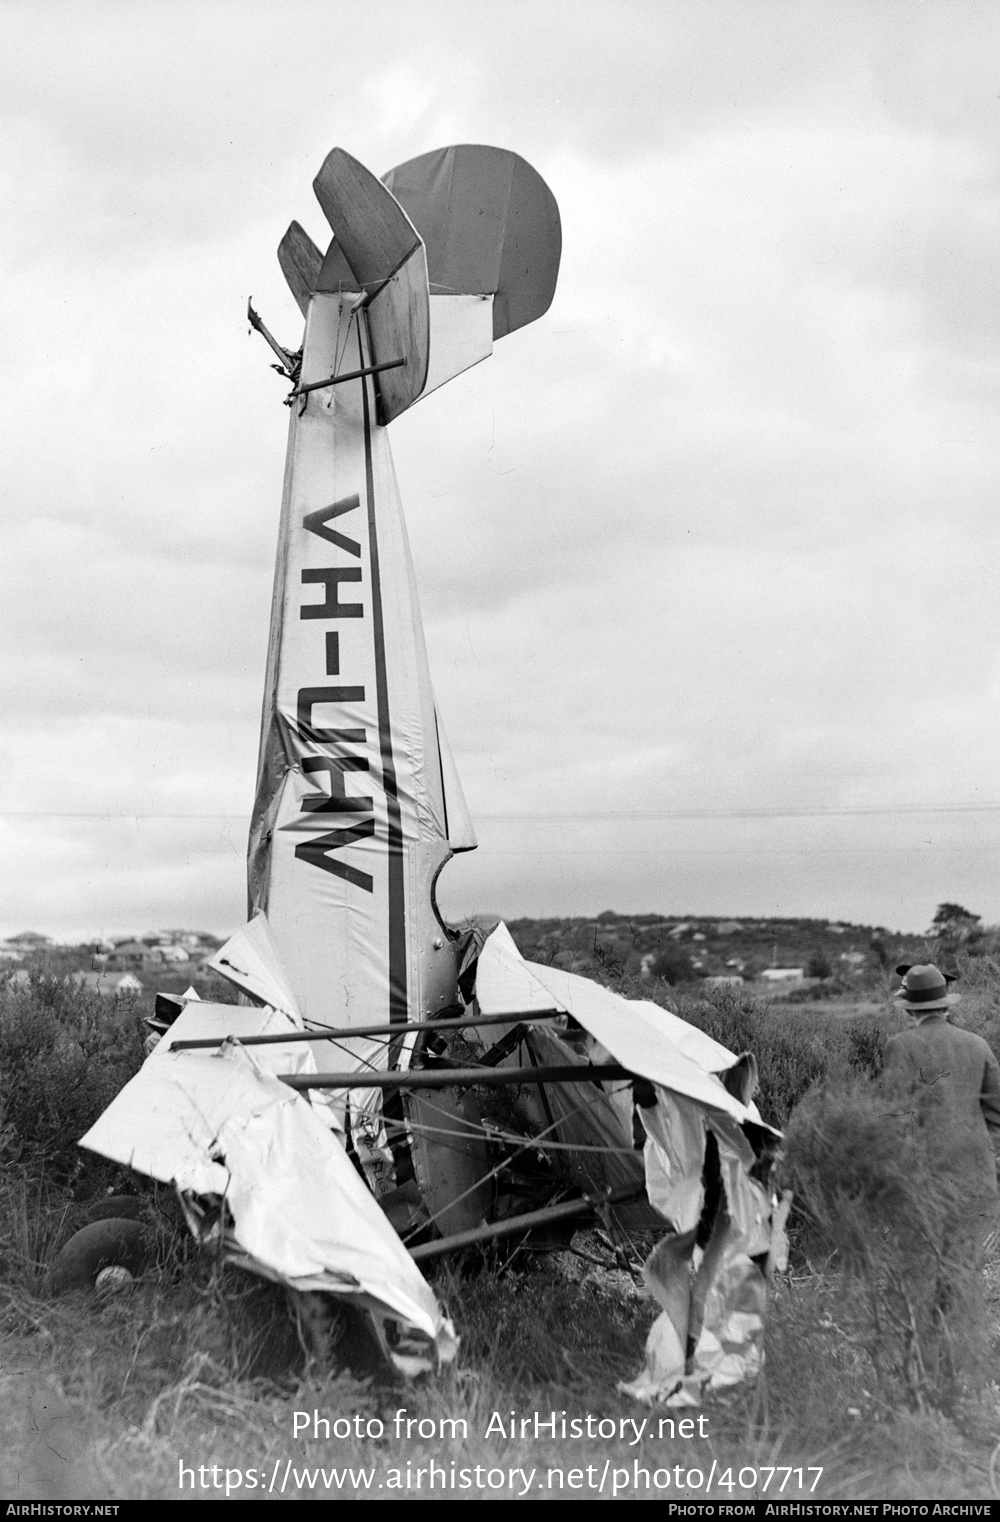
{"points": [[673, 966], [948, 915], [818, 965], [955, 924]]}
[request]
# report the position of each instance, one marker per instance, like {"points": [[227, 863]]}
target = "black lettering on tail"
{"points": [[315, 852]]}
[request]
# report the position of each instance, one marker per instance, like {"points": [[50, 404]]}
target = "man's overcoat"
{"points": [[950, 1080]]}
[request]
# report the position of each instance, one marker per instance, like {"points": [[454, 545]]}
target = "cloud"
{"points": [[709, 535]]}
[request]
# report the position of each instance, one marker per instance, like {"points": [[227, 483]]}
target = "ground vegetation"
{"points": [[196, 1364]]}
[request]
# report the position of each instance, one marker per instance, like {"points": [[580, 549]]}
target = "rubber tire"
{"points": [[102, 1244]]}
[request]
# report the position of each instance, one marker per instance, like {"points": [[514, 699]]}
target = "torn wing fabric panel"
{"points": [[647, 1040], [221, 1125], [723, 1305], [506, 982], [748, 1203], [730, 1345], [202, 1019], [667, 1274], [250, 959], [674, 1155], [159, 1123]]}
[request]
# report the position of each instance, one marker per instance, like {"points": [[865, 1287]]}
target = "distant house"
{"points": [[783, 974], [836, 929], [729, 927], [134, 954], [174, 953], [109, 985], [679, 930]]}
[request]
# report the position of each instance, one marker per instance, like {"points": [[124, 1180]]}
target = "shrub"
{"points": [[898, 1219], [64, 1055], [792, 1056], [674, 967]]}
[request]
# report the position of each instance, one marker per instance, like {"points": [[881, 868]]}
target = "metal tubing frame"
{"points": [[337, 380], [334, 1033], [450, 1078], [515, 1225]]}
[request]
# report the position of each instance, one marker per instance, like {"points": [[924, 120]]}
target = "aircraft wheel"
{"points": [[103, 1244]]}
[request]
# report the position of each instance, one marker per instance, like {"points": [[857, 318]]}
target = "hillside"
{"points": [[699, 946]]}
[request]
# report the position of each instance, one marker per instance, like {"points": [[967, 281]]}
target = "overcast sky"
{"points": [[711, 546]]}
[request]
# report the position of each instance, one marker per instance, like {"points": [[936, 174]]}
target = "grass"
{"points": [[200, 1365]]}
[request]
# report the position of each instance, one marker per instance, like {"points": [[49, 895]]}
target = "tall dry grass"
{"points": [[897, 1218], [200, 1364]]}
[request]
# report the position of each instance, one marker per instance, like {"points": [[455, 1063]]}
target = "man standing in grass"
{"points": [[948, 1083], [950, 1075]]}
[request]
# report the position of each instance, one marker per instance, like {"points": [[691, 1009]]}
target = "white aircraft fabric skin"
{"points": [[202, 1019], [650, 1041], [358, 803], [223, 1125], [352, 823], [251, 961], [714, 1298]]}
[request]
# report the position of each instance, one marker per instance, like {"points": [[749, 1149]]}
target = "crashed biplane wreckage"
{"points": [[389, 1089]]}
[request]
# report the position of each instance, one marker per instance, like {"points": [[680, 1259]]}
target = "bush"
{"points": [[792, 1057], [674, 967], [897, 1218], [64, 1055]]}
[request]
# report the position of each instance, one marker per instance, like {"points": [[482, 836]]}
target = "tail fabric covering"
{"points": [[451, 250], [490, 224], [356, 789], [358, 803], [386, 254], [301, 262]]}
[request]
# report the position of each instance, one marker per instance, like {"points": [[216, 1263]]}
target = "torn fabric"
{"points": [[709, 1274], [225, 1127], [648, 1040]]}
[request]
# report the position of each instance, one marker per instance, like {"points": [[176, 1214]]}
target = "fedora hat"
{"points": [[924, 988]]}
